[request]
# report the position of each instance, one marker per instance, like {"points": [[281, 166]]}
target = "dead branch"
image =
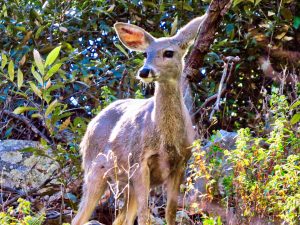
{"points": [[30, 192], [223, 87], [28, 123]]}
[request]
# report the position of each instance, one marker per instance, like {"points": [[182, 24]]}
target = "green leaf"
{"points": [[20, 78], [52, 70], [37, 76], [52, 56], [257, 2], [35, 89], [295, 104], [38, 61], [174, 26], [22, 109], [11, 71], [51, 107], [295, 118], [121, 49], [296, 23], [36, 115], [3, 60]]}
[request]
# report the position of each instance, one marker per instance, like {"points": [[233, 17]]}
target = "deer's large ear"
{"points": [[133, 37], [186, 35]]}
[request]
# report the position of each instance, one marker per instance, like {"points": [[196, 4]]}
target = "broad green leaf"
{"points": [[52, 56], [11, 71], [3, 60], [51, 107], [37, 76], [20, 78], [35, 89], [22, 109], [38, 61], [297, 103], [295, 118], [121, 49], [52, 70]]}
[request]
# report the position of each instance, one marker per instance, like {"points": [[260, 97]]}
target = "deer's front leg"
{"points": [[173, 186], [142, 187]]}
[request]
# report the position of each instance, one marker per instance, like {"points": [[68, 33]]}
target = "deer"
{"points": [[156, 132]]}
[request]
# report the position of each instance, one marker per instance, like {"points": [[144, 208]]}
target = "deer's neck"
{"points": [[169, 111]]}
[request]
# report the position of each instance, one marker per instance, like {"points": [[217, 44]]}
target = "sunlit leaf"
{"points": [[36, 115], [121, 49], [38, 61], [37, 76], [52, 56], [3, 60], [174, 26], [52, 70], [22, 109], [20, 78], [51, 107], [11, 71], [297, 103], [35, 89], [295, 118]]}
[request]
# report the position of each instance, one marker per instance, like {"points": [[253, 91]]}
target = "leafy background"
{"points": [[61, 63]]}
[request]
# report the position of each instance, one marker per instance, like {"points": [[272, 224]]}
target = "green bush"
{"points": [[21, 215], [265, 175]]}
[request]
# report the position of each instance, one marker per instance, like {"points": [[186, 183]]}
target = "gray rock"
{"points": [[183, 218], [93, 222], [225, 140], [23, 170], [156, 220]]}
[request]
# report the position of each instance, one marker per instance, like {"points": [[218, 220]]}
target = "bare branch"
{"points": [[204, 39], [28, 123]]}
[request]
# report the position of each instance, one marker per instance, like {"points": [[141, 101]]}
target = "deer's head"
{"points": [[164, 56]]}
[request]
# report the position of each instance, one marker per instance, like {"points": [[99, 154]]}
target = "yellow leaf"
{"points": [[20, 78], [3, 60], [38, 61], [22, 109], [11, 71], [35, 89], [65, 124], [51, 107], [52, 56], [37, 76]]}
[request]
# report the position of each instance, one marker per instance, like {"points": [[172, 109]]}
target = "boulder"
{"points": [[225, 140], [23, 170]]}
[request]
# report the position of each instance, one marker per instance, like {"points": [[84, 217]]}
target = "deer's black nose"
{"points": [[144, 73]]}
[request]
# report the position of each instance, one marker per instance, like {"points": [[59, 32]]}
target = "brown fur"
{"points": [[153, 133]]}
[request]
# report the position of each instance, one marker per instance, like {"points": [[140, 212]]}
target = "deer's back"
{"points": [[114, 122]]}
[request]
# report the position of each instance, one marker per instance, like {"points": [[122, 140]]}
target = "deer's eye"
{"points": [[168, 54], [145, 54]]}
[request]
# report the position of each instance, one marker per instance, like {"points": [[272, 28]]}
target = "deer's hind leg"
{"points": [[128, 213], [93, 188]]}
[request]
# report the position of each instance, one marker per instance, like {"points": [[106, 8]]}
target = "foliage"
{"points": [[264, 171], [61, 64], [21, 215], [212, 221]]}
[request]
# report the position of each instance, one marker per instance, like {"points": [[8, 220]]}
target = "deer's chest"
{"points": [[162, 164]]}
